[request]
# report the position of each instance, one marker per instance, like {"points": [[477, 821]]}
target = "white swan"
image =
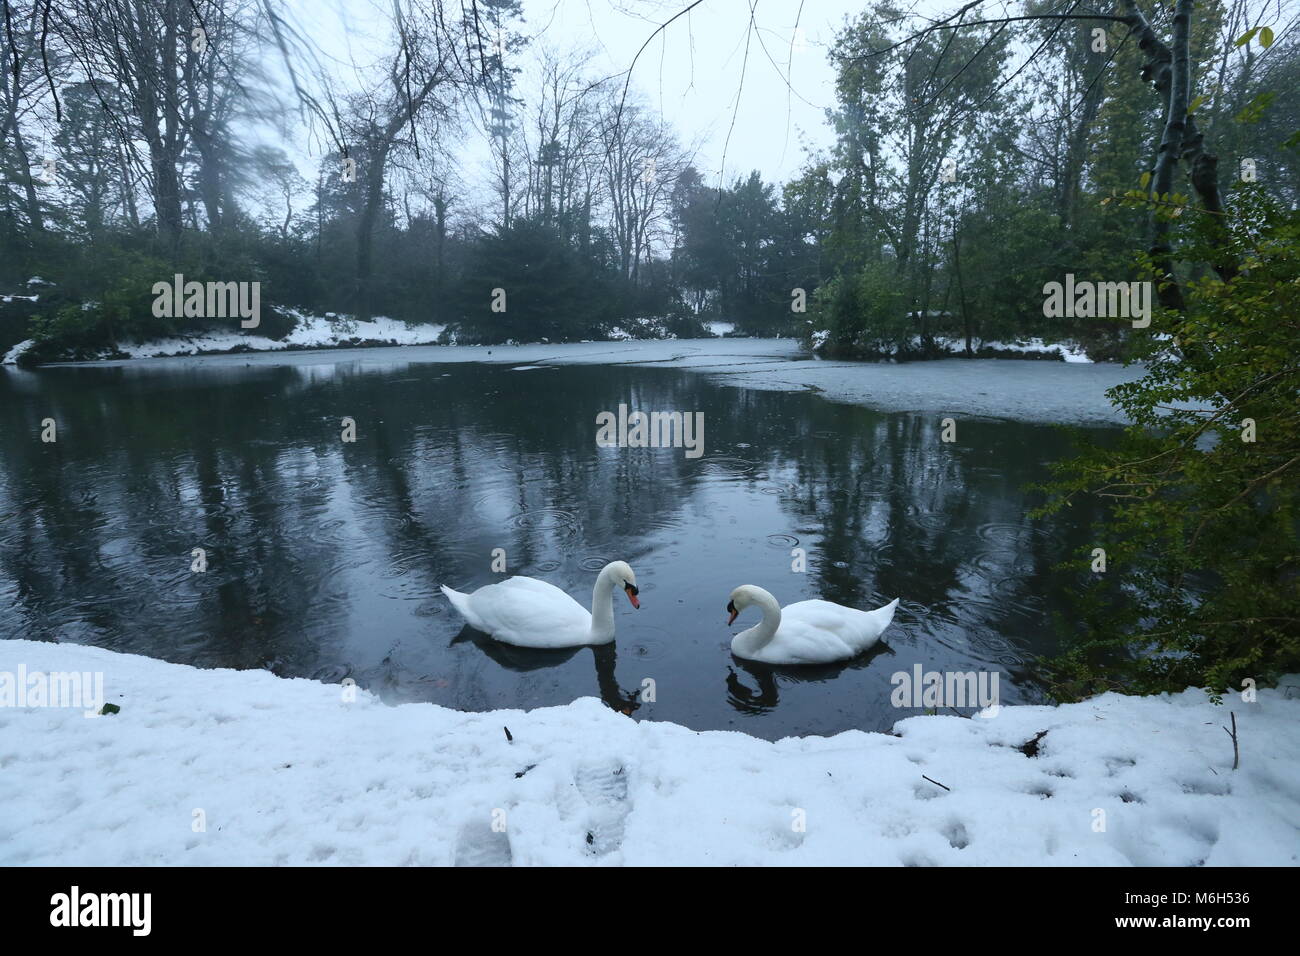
{"points": [[807, 632], [527, 612]]}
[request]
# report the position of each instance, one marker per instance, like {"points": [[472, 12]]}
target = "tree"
{"points": [[1201, 577], [21, 89]]}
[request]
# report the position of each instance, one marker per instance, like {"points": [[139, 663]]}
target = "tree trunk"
{"points": [[1077, 145], [374, 197], [439, 263], [1170, 73], [961, 291]]}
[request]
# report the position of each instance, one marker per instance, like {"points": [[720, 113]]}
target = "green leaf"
{"points": [[1195, 103], [1245, 37], [1266, 37], [1254, 110], [1146, 178]]}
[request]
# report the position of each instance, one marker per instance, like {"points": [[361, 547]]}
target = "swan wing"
{"points": [[530, 613], [801, 642], [822, 631]]}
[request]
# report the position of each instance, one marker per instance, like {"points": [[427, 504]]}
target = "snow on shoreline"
{"points": [[286, 772], [1067, 351], [1020, 390], [309, 332], [11, 357]]}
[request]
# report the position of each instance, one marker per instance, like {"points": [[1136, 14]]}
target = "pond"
{"points": [[324, 557]]}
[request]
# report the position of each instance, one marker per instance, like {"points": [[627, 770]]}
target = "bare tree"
{"points": [[22, 85], [642, 161]]}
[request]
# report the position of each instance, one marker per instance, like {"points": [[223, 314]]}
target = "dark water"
{"points": [[325, 557]]}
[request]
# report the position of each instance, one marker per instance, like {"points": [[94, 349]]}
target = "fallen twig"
{"points": [[1236, 754], [1030, 747]]}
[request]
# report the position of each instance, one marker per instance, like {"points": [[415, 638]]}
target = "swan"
{"points": [[527, 612], [807, 632]]}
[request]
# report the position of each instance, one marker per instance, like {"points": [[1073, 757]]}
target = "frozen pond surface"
{"points": [[324, 557], [1027, 390]]}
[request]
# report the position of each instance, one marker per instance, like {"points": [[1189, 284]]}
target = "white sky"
{"points": [[692, 72]]}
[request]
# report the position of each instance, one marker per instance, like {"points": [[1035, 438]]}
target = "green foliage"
{"points": [[1202, 579], [104, 293], [741, 252], [550, 292], [864, 312]]}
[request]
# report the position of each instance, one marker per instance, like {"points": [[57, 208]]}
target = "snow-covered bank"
{"points": [[11, 357], [309, 332], [287, 772], [996, 388], [1069, 352]]}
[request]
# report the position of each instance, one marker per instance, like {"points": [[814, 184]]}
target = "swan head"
{"points": [[622, 574], [741, 598]]}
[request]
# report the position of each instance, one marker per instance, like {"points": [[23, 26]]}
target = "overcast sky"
{"points": [[691, 72]]}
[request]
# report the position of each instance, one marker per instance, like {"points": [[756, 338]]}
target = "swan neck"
{"points": [[765, 629], [602, 604]]}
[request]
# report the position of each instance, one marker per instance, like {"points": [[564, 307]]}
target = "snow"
{"points": [[288, 772], [309, 332], [11, 357], [1070, 352]]}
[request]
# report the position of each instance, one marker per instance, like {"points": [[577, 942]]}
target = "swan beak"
{"points": [[734, 613], [632, 592]]}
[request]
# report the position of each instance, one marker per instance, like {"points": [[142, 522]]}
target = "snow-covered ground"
{"points": [[11, 356], [1030, 346], [311, 331], [1068, 352], [242, 767]]}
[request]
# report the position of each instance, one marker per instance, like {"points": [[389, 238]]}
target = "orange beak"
{"points": [[631, 595], [734, 613]]}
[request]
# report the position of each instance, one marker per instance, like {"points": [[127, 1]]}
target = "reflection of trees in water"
{"points": [[247, 463], [891, 483]]}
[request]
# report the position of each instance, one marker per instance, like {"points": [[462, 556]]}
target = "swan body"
{"points": [[808, 632], [527, 612]]}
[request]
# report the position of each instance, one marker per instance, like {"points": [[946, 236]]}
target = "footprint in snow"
{"points": [[479, 845], [603, 785]]}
